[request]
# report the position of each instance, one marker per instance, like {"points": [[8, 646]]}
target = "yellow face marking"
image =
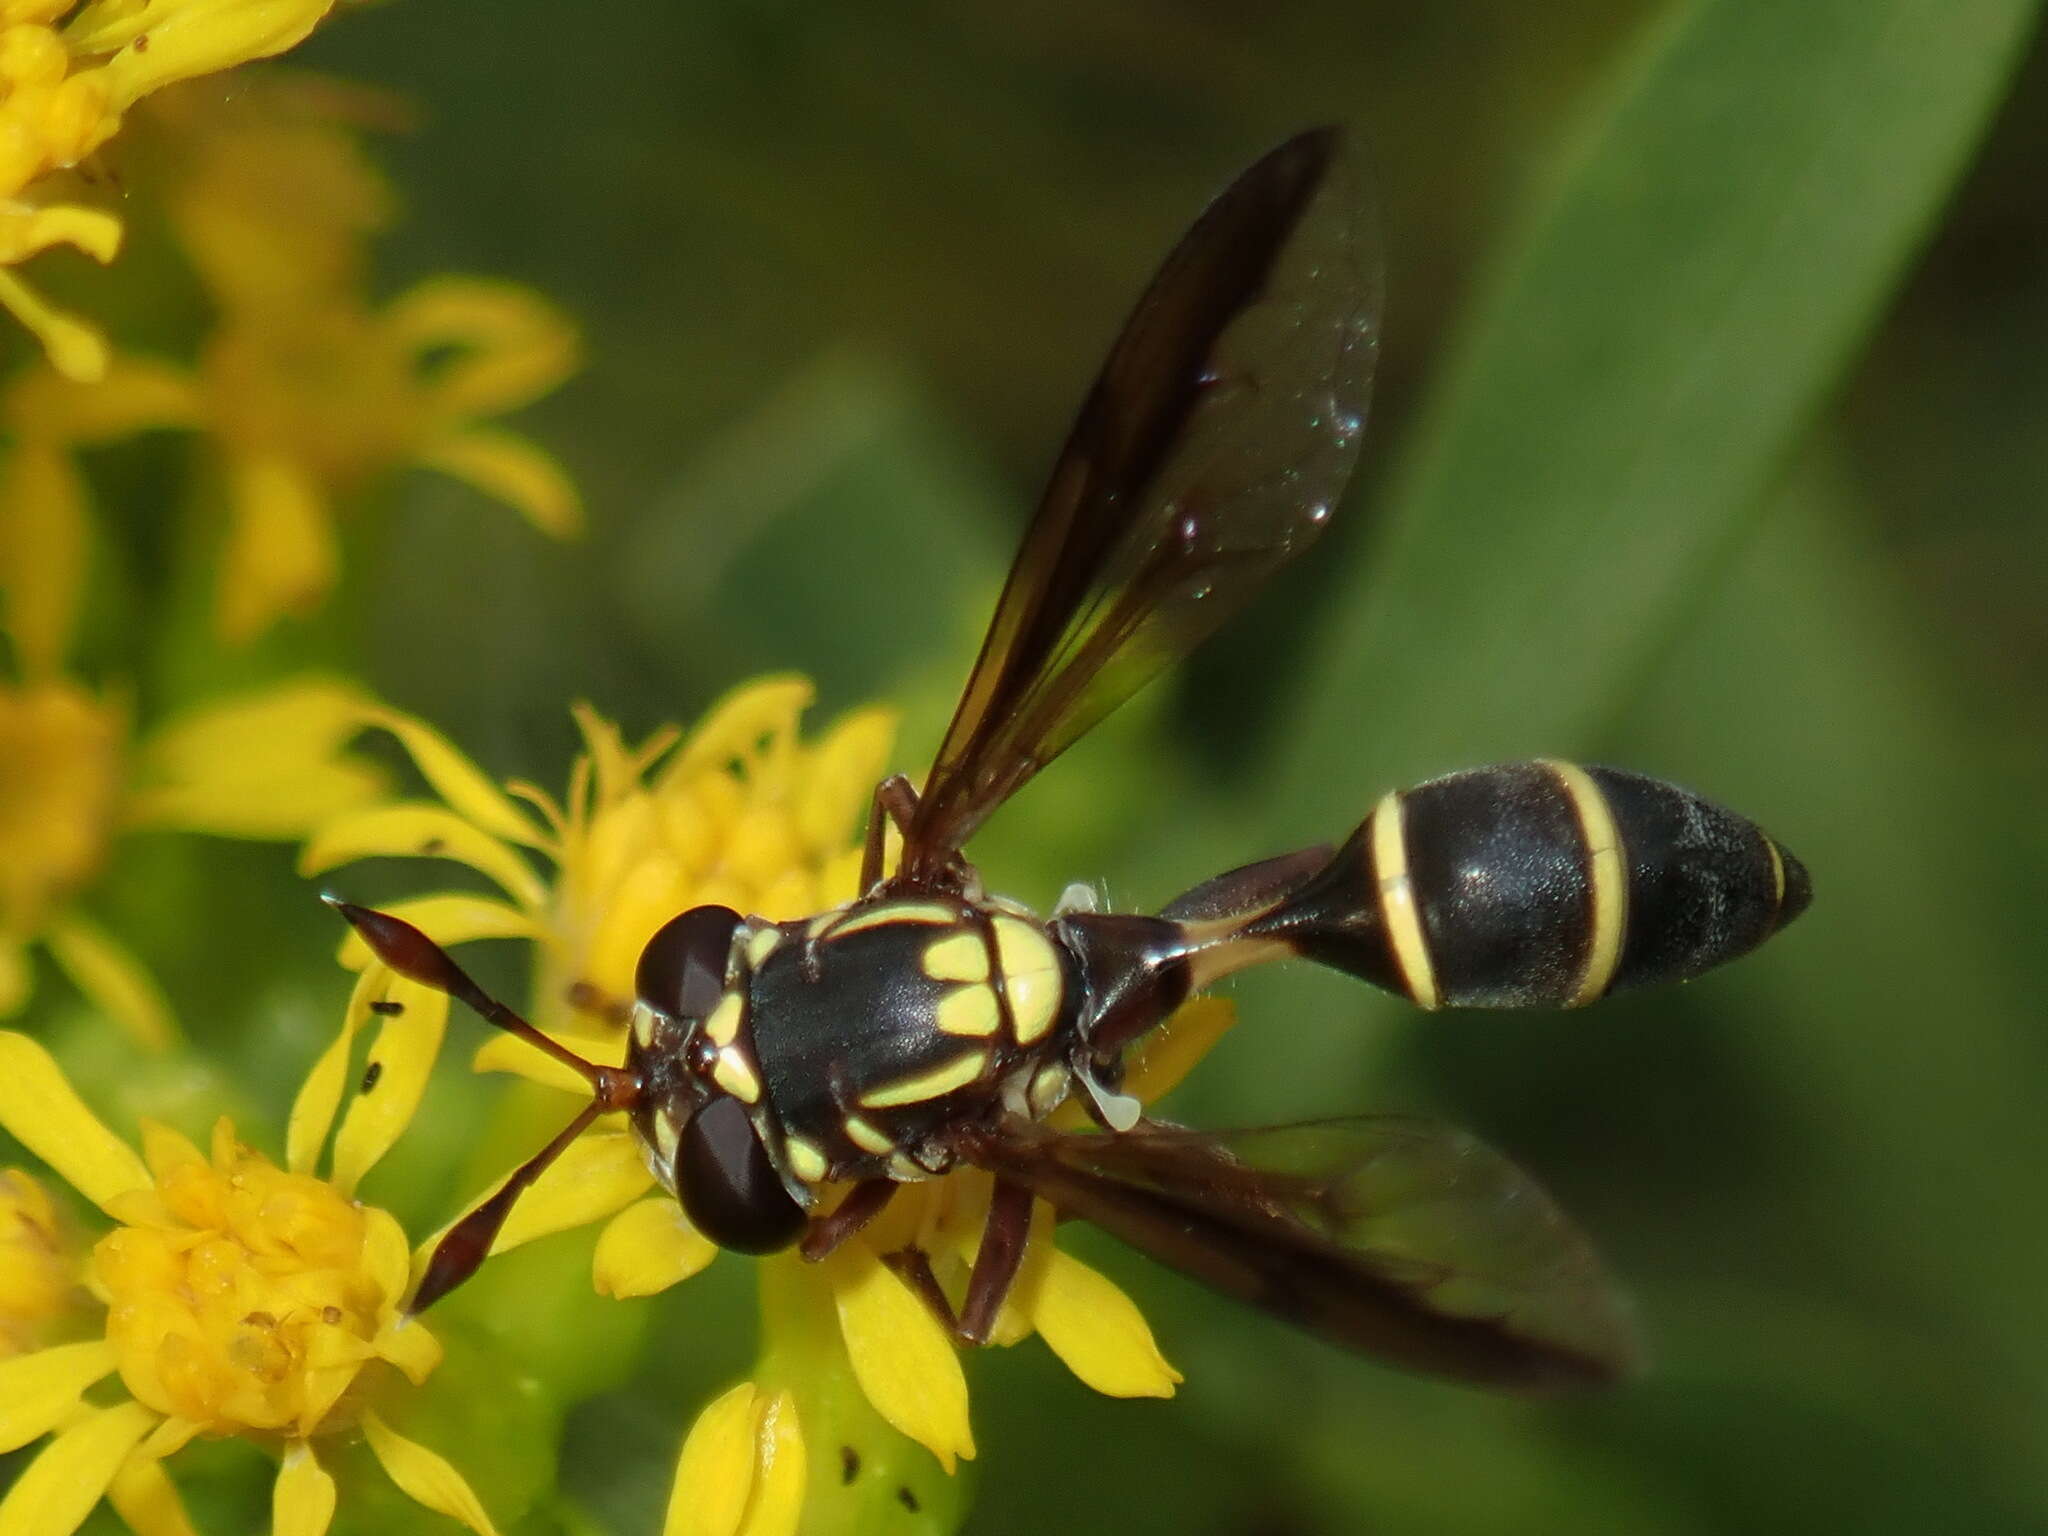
{"points": [[736, 1075], [904, 1171], [1031, 977], [643, 1024], [805, 1160], [896, 912], [1048, 1090], [1605, 874], [1397, 902], [969, 1011], [723, 1024], [920, 1086], [1777, 873], [866, 1135], [666, 1138], [957, 957], [761, 946]]}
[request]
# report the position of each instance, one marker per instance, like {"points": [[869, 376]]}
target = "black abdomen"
{"points": [[1540, 884]]}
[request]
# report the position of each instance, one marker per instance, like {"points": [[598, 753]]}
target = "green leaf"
{"points": [[1735, 219]]}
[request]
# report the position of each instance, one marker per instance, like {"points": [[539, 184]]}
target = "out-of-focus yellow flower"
{"points": [[39, 1274], [307, 390], [743, 813], [310, 391], [65, 86], [242, 1299], [266, 764]]}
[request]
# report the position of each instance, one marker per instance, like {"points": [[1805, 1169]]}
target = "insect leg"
{"points": [[913, 1266], [894, 801], [863, 1203], [996, 1262]]}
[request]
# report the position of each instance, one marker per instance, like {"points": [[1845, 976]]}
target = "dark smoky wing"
{"points": [[1210, 451], [1405, 1240]]}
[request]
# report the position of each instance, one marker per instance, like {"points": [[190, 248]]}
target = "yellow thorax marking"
{"points": [[1397, 902], [921, 1086], [866, 1135], [1607, 879], [1031, 976], [894, 912], [969, 1010], [761, 946], [957, 957]]}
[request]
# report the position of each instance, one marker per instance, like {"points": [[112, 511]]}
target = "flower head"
{"points": [[241, 1299], [744, 813], [74, 781], [65, 87]]}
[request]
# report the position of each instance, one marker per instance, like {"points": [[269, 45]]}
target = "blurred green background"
{"points": [[1710, 439]]}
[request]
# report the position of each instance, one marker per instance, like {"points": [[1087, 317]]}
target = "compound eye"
{"points": [[729, 1189], [682, 969]]}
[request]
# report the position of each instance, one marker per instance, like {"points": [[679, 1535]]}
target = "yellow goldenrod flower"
{"points": [[242, 1299], [266, 764], [65, 85], [743, 813], [308, 390], [39, 1275]]}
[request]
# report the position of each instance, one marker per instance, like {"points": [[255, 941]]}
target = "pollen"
{"points": [[242, 1297]]}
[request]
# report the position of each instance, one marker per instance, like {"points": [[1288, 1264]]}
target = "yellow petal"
{"points": [[509, 1053], [457, 780], [602, 1172], [452, 917], [74, 347], [715, 1472], [302, 1498], [60, 1487], [648, 1247], [1097, 1331], [190, 40], [508, 468], [509, 345], [41, 1111], [735, 726], [394, 1079], [137, 394], [38, 1391], [779, 1464], [280, 556], [92, 230], [414, 830], [423, 1476], [147, 1500], [313, 1110], [903, 1359], [845, 767], [42, 551], [112, 980], [267, 763], [408, 1345], [386, 1259]]}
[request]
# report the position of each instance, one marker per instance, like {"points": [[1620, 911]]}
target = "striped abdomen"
{"points": [[1539, 884]]}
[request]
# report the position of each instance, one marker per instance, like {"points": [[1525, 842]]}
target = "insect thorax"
{"points": [[857, 1038]]}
